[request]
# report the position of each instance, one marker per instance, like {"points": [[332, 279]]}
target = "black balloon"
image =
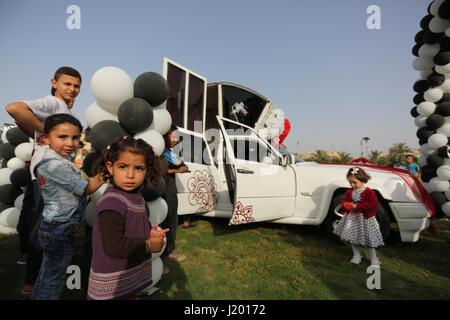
{"points": [[4, 163], [431, 37], [444, 10], [435, 80], [425, 133], [421, 86], [442, 58], [415, 49], [445, 98], [414, 112], [427, 173], [423, 141], [19, 177], [152, 191], [15, 136], [9, 193], [444, 152], [435, 121], [151, 87], [135, 115], [435, 161], [418, 98], [443, 109], [106, 132], [438, 198], [7, 151], [445, 44], [89, 161], [418, 38], [425, 22]]}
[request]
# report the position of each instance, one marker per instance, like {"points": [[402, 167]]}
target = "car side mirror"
{"points": [[287, 160]]}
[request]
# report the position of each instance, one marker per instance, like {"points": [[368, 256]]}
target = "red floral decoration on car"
{"points": [[203, 193], [242, 214]]}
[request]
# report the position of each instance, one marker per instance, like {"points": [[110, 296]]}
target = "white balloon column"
{"points": [[432, 110], [15, 151], [127, 108]]}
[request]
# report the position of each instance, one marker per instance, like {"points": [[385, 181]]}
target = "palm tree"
{"points": [[398, 152], [375, 156], [344, 157], [320, 156]]}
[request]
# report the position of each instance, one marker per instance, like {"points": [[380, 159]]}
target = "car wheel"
{"points": [[332, 219]]}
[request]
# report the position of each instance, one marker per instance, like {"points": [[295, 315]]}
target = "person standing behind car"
{"points": [[30, 116], [176, 165]]}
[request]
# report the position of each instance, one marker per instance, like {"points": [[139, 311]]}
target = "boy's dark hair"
{"points": [[359, 174], [67, 71], [60, 118], [126, 143], [166, 135]]}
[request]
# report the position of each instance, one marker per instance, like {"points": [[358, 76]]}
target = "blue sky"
{"points": [[336, 80]]}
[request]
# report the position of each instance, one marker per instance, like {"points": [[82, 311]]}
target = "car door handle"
{"points": [[245, 171]]}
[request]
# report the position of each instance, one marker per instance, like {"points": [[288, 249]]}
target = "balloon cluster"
{"points": [[15, 151], [127, 108], [432, 99]]}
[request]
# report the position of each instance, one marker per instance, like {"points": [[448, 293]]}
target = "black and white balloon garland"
{"points": [[432, 100]]}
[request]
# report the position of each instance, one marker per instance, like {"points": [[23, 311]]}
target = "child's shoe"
{"points": [[356, 259], [375, 263]]}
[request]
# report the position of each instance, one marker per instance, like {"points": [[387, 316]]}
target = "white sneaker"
{"points": [[356, 260], [375, 263]]}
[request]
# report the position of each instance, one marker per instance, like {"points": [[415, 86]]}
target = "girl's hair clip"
{"points": [[354, 170], [108, 147]]}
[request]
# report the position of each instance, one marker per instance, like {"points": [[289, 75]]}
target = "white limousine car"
{"points": [[235, 173]]}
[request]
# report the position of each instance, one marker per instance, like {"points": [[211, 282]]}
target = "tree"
{"points": [[344, 157], [397, 153], [320, 156]]}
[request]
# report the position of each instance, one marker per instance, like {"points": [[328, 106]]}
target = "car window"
{"points": [[252, 150], [192, 149]]}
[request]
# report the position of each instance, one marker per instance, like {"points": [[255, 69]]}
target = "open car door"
{"points": [[186, 104], [261, 188]]}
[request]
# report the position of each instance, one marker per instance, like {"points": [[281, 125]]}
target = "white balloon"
{"points": [[446, 208], [24, 151], [422, 64], [153, 138], [90, 212], [445, 87], [447, 194], [434, 8], [445, 69], [438, 25], [422, 160], [158, 211], [437, 140], [111, 86], [157, 270], [162, 121], [424, 74], [438, 185], [446, 161], [420, 121], [443, 172], [5, 174], [10, 217], [429, 50], [445, 129], [15, 163], [426, 108], [426, 149], [4, 137], [18, 203], [94, 114], [97, 194], [433, 95]]}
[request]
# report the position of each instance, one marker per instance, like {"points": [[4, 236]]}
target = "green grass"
{"points": [[272, 261]]}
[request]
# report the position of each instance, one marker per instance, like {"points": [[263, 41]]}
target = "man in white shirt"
{"points": [[30, 116]]}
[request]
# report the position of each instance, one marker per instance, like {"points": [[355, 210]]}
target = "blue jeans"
{"points": [[57, 242]]}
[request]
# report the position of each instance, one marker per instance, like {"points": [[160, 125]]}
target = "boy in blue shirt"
{"points": [[412, 166]]}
